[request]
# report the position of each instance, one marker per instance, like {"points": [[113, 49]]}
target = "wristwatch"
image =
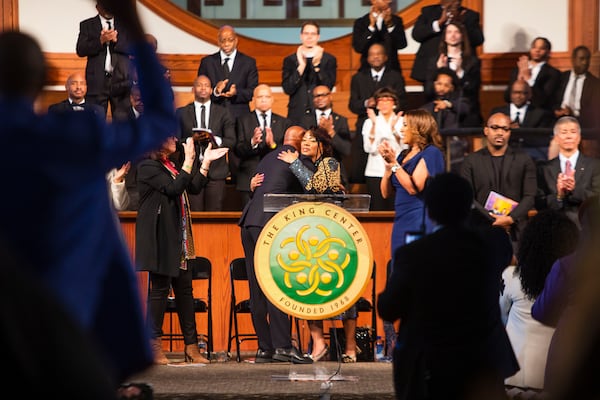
{"points": [[395, 168]]}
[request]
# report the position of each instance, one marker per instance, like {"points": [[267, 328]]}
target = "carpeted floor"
{"points": [[232, 380]]}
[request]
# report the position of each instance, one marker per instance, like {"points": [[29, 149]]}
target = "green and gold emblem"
{"points": [[313, 260]]}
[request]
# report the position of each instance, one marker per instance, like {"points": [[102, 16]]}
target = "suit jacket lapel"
{"points": [[192, 116], [580, 168], [587, 90]]}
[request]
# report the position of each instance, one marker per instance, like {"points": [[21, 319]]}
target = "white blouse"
{"points": [[383, 131]]}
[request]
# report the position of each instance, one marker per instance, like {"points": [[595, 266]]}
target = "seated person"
{"points": [[448, 107]]}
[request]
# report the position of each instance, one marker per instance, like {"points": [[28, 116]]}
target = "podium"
{"points": [[313, 259], [349, 202]]}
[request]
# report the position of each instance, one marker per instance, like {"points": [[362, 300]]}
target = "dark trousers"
{"points": [[211, 198], [114, 92], [272, 326], [184, 302]]}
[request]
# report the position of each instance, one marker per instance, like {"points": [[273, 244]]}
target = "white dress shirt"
{"points": [[568, 100], [563, 161], [522, 111]]}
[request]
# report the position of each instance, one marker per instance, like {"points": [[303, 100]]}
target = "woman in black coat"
{"points": [[164, 239]]}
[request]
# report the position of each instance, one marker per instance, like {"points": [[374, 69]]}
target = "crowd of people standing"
{"points": [[190, 155]]}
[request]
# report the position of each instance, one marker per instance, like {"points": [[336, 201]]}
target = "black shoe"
{"points": [[291, 355], [263, 356]]}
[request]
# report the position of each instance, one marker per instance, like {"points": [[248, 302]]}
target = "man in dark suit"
{"points": [[566, 181], [523, 114], [380, 25], [308, 67], [429, 29], [258, 133], [233, 74], [272, 326], [106, 44], [535, 70], [335, 124], [203, 113], [444, 288], [578, 95], [504, 170], [362, 86], [76, 87]]}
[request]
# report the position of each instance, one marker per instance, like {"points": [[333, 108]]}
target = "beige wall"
{"points": [[505, 30]]}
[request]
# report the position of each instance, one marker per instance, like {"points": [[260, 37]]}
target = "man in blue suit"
{"points": [[72, 244]]}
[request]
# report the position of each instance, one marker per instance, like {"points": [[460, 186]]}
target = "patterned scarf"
{"points": [[187, 249]]}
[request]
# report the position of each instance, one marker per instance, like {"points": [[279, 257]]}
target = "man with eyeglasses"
{"points": [[508, 172], [308, 67], [258, 133], [232, 73], [335, 124], [523, 114]]}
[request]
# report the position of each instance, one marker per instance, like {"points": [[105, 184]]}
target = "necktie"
{"points": [[573, 95], [226, 69], [107, 61], [203, 116], [375, 78], [264, 118], [517, 117], [568, 168]]}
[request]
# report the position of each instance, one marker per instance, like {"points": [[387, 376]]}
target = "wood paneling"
{"points": [[217, 236], [269, 56], [9, 15]]}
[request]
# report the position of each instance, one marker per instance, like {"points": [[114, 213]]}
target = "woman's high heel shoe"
{"points": [[323, 353], [193, 356]]}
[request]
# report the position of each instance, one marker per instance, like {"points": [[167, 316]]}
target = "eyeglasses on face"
{"points": [[496, 127]]}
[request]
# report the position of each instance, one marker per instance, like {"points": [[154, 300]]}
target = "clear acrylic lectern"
{"points": [[349, 202]]}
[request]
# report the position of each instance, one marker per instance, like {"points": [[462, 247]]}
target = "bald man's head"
{"points": [[293, 136], [76, 87]]}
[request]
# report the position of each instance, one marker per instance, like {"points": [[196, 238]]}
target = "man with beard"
{"points": [[501, 169]]}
